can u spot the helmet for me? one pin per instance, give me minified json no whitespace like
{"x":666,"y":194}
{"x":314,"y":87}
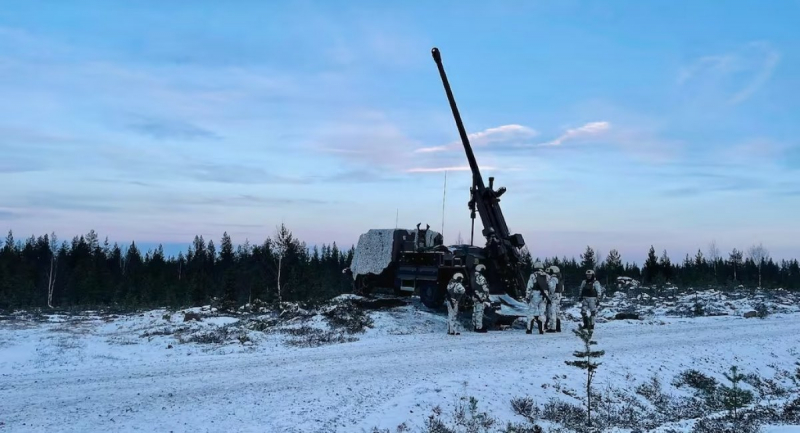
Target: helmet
{"x":589,"y":273}
{"x":458,"y":276}
{"x":554,"y":269}
{"x":480,"y":268}
{"x":538,"y":265}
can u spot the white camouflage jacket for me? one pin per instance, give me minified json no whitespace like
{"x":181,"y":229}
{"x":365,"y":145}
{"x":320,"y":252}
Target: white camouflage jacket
{"x":481,"y":292}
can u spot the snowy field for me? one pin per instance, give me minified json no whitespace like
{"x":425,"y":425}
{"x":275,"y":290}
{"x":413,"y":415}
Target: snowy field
{"x":153,"y":371}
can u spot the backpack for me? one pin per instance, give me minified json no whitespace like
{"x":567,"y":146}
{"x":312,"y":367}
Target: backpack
{"x":541,"y":282}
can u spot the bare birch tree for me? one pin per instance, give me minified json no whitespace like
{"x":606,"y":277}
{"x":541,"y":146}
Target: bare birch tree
{"x":736,"y":261}
{"x":280,"y":246}
{"x":758,"y":254}
{"x":714,"y":255}
{"x":51,"y":281}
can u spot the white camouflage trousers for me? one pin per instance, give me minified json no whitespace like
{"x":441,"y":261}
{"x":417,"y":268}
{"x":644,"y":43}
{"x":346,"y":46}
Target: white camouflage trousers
{"x":477,"y":314}
{"x":536,"y":309}
{"x":452,"y":318}
{"x":553,"y":309}
{"x":589,"y":309}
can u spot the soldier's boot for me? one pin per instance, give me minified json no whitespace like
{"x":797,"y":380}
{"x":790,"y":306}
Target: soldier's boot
{"x":585,"y":323}
{"x":528,"y":326}
{"x":541,"y":326}
{"x":558,"y":325}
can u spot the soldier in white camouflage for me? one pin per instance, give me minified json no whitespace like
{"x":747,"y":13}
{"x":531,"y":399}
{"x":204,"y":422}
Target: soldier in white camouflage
{"x":556,"y":290}
{"x":455,"y":291}
{"x":591,"y":290}
{"x":536,"y":295}
{"x":480,"y":298}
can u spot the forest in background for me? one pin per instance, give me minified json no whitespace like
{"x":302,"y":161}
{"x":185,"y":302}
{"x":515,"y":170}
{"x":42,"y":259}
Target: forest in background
{"x":86,"y":272}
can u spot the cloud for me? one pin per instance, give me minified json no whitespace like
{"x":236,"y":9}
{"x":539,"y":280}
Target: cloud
{"x":241,"y":200}
{"x":7,"y":215}
{"x":737,"y":75}
{"x":163,"y":129}
{"x":591,"y":129}
{"x":441,"y":169}
{"x":770,"y":61}
{"x":22,"y":165}
{"x":358,"y":176}
{"x":67,"y":201}
{"x":236,"y":174}
{"x":500,"y":134}
{"x":366,"y":138}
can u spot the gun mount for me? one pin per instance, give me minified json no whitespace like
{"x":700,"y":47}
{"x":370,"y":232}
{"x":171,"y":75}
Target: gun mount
{"x":502,"y":251}
{"x":409,"y":261}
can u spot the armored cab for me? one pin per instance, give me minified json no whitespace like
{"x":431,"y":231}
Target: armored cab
{"x":398,"y":259}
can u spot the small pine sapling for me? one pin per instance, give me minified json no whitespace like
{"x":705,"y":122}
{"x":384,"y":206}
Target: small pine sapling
{"x":586,"y":362}
{"x":734,"y":397}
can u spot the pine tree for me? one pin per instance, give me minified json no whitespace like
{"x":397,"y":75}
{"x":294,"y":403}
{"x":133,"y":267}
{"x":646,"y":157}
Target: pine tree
{"x":226,"y":263}
{"x":613,"y":266}
{"x":589,"y":259}
{"x":585,"y":362}
{"x":651,"y":268}
{"x":665,"y":266}
{"x":733,"y":397}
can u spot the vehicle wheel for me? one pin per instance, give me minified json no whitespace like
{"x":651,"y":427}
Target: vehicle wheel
{"x":362,"y":286}
{"x":431,"y":296}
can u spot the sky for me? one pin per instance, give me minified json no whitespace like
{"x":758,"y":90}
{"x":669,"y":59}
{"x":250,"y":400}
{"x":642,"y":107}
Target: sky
{"x":612,"y":124}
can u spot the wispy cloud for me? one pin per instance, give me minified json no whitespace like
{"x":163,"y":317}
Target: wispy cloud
{"x":359,"y":176}
{"x":441,"y":169}
{"x":501,"y":134}
{"x":738,"y":74}
{"x":7,"y":215}
{"x":367,"y":137}
{"x":770,"y":61}
{"x":237,"y":174}
{"x":164,"y":129}
{"x":589,"y":130}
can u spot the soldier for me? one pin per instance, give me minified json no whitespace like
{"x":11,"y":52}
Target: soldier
{"x":590,"y":291}
{"x":556,"y":290}
{"x":455,"y":291}
{"x":480,"y":298}
{"x":537,"y":297}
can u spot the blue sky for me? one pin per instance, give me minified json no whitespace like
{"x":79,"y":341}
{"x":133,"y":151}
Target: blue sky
{"x":613,"y":124}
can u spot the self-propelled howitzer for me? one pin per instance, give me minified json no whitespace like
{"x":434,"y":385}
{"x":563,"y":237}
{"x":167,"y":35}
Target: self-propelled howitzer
{"x":502,"y":250}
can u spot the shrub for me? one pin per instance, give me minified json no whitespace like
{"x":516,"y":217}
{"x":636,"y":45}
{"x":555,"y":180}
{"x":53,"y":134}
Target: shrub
{"x":761,"y":310}
{"x":306,"y":336}
{"x":703,"y":384}
{"x":525,"y":407}
{"x":348,"y":317}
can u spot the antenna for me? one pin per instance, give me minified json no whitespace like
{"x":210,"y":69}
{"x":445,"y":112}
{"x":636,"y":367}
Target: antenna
{"x":396,"y":218}
{"x":444,"y":196}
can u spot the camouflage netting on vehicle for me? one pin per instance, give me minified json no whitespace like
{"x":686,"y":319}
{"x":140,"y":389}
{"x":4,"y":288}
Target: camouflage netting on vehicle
{"x":374,"y":250}
{"x":373,"y":253}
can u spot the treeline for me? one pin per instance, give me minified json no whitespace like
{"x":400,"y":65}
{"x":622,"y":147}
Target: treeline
{"x":40,"y":272}
{"x":751,"y":268}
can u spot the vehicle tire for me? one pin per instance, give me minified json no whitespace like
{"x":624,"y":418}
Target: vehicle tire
{"x":362,"y":285}
{"x":431,"y":296}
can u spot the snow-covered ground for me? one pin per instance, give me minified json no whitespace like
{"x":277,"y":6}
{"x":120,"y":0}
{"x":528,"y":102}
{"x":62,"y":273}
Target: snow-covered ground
{"x":142,"y":372}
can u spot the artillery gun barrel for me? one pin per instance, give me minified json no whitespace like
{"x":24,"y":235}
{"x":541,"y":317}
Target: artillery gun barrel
{"x":473,"y":164}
